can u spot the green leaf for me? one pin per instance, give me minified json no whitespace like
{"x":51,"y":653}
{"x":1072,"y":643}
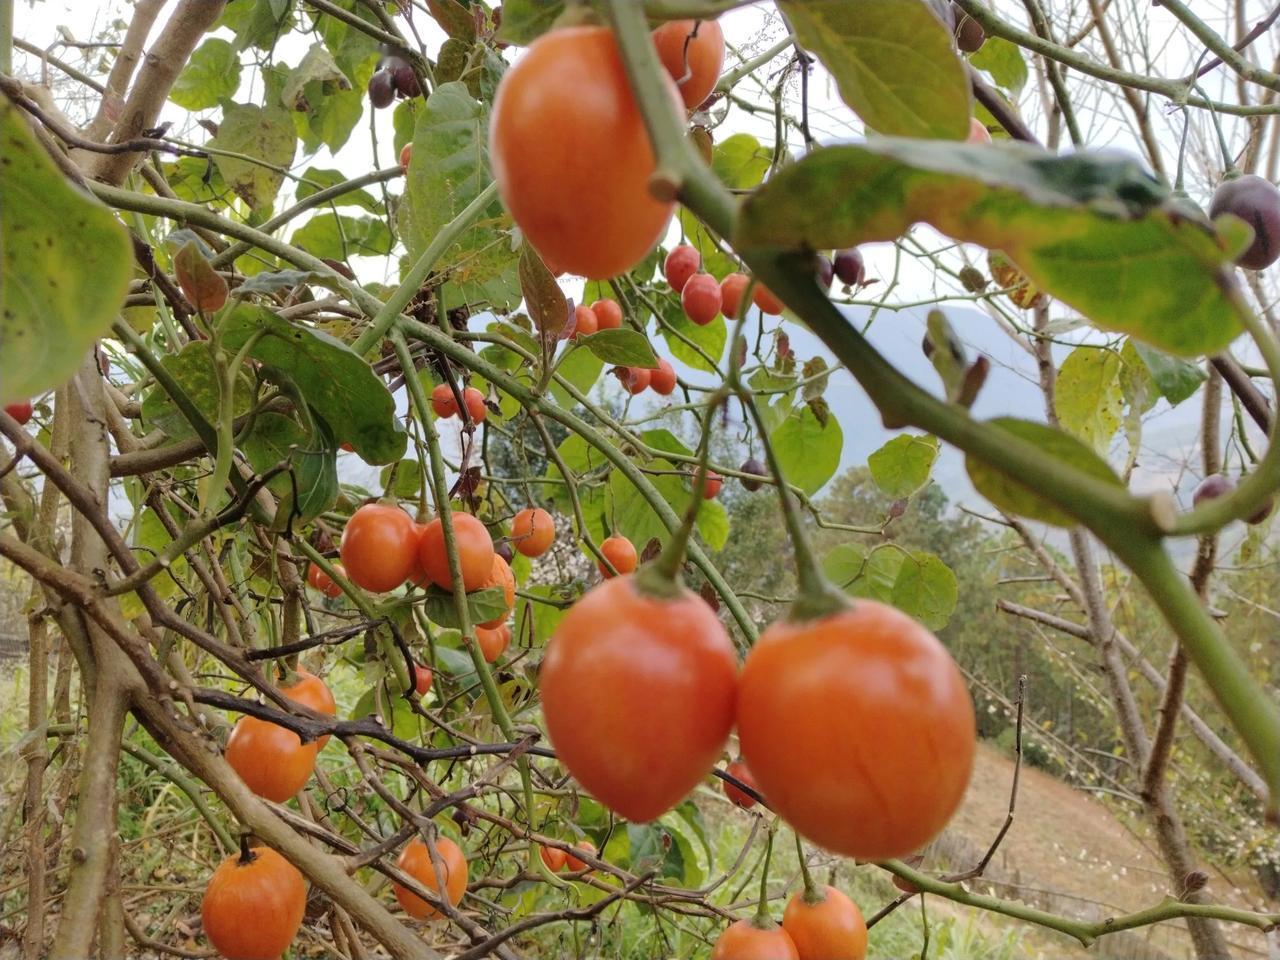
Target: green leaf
{"x":257,"y":23}
{"x":193,"y":368}
{"x":713,"y":524}
{"x":679,"y":331}
{"x":623,"y":347}
{"x":1088,"y":396}
{"x":336,"y":237}
{"x":264,"y":134}
{"x":351,"y":47}
{"x":407,"y":476}
{"x":1094,"y":231}
{"x":328,"y":100}
{"x":150,"y":538}
{"x":863,"y":573}
{"x":450,"y":167}
{"x":212,"y":74}
{"x":65,"y":265}
{"x":523,"y":21}
{"x":316,"y":179}
{"x":336,"y":383}
{"x":187,"y":176}
{"x":741,"y":161}
{"x":454,"y":18}
{"x":914,"y":581}
{"x":665,"y":440}
{"x":893,"y":61}
{"x":1176,"y":379}
{"x":404,"y":117}
{"x":1003,"y":61}
{"x":582,"y":368}
{"x":1010,"y":495}
{"x":902,"y":466}
{"x":632,"y":515}
{"x":312,"y":474}
{"x":808,"y":451}
{"x":926,"y":588}
{"x":482,"y":606}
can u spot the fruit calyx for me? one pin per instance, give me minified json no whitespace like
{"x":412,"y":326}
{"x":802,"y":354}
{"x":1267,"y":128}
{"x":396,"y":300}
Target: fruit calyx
{"x":247,"y":856}
{"x":818,"y":600}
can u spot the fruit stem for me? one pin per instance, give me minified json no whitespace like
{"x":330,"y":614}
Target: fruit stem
{"x":665,"y":571}
{"x":817,"y":597}
{"x":413,"y":280}
{"x":247,"y":856}
{"x":762,"y":918}
{"x":1229,"y":172}
{"x":812,"y":894}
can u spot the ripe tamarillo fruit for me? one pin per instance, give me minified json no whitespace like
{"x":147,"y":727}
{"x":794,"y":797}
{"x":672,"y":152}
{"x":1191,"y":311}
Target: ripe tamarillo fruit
{"x":1257,"y":202}
{"x":681,"y":264}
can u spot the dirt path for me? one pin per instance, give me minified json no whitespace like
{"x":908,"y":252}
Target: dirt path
{"x":1069,"y":853}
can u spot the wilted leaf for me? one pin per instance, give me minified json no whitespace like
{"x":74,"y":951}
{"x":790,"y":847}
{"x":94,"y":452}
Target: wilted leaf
{"x":1088,"y":396}
{"x":264,"y":133}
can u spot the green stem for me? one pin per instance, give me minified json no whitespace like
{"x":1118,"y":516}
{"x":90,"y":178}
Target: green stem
{"x":816,"y":597}
{"x":666,"y":568}
{"x":730,"y":78}
{"x":413,"y":280}
{"x":1084,"y":931}
{"x":1253,"y":714}
{"x":422,"y":406}
{"x":1261,"y":483}
{"x":812,"y":894}
{"x":762,"y":918}
{"x":6,"y":37}
{"x":316,"y":199}
{"x":213,"y":493}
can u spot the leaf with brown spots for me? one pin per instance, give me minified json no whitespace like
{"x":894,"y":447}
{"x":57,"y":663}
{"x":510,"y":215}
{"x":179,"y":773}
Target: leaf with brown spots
{"x":65,"y":264}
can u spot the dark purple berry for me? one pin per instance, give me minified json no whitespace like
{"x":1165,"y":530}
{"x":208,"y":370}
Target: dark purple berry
{"x":850,"y":268}
{"x":755,"y":467}
{"x":1257,"y":202}
{"x":825,"y":271}
{"x":1211,"y":488}
{"x":406,"y":80}
{"x":381,"y":89}
{"x":503,"y":550}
